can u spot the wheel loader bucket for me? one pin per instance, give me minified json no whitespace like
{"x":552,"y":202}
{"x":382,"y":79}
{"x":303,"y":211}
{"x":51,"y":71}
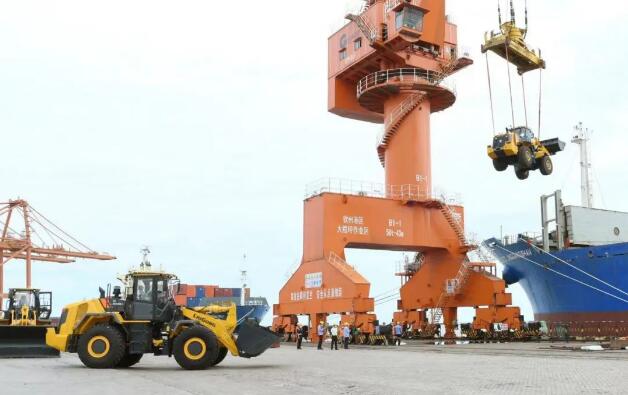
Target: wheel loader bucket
{"x":253,"y":339}
{"x":553,"y":145}
{"x":25,"y":342}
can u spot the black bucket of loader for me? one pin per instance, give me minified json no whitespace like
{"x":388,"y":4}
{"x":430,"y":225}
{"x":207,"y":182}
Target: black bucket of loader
{"x":253,"y":339}
{"x":553,"y":145}
{"x":25,"y":342}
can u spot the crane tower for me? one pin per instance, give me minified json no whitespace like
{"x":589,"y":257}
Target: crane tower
{"x":388,"y":65}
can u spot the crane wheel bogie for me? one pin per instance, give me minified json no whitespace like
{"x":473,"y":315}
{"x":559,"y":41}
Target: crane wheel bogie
{"x":196,"y":348}
{"x":101,"y":347}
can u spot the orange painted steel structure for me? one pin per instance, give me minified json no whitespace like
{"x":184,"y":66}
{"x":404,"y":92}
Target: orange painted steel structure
{"x":16,"y":242}
{"x":388,"y":66}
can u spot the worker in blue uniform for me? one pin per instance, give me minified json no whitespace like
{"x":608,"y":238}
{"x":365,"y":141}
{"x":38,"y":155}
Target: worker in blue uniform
{"x":398,"y":331}
{"x":321,"y":334}
{"x":346,"y":335}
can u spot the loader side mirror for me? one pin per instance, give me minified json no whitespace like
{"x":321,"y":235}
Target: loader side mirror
{"x":102,"y":292}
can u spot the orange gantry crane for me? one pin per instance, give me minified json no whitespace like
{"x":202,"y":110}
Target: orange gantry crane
{"x":388,"y":66}
{"x":28,"y":235}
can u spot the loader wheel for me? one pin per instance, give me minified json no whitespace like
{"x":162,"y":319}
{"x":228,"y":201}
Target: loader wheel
{"x":522,"y":174}
{"x":101,"y":347}
{"x":196,"y":348}
{"x":546,"y":166}
{"x":129,"y":360}
{"x":222,"y":353}
{"x":500,"y":165}
{"x":525,"y":158}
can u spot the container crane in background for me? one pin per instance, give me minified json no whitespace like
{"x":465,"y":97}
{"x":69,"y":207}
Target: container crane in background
{"x":518,"y":146}
{"x":389,"y":66}
{"x":29,"y":236}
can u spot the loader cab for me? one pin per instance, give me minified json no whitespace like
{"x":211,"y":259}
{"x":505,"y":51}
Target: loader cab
{"x":523,"y":133}
{"x":37,"y":303}
{"x":149,"y":296}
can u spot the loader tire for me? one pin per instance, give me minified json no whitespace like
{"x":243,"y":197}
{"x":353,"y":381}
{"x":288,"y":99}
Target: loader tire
{"x":500,"y":164}
{"x":196,"y":348}
{"x":101,"y":347}
{"x":222,"y":353}
{"x":546,"y":166}
{"x":525,"y":158}
{"x":522,"y":174}
{"x":129,"y":360}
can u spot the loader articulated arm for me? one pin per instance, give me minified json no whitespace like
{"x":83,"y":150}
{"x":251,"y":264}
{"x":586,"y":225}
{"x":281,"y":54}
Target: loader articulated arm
{"x":222,"y":328}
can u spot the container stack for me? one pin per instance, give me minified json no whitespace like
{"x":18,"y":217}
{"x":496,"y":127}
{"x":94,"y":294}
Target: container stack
{"x":203,"y":295}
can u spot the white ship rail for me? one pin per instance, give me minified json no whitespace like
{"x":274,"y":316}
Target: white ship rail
{"x":534,"y":237}
{"x":414,"y":192}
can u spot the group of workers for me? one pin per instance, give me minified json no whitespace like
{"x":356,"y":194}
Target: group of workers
{"x":346,"y":331}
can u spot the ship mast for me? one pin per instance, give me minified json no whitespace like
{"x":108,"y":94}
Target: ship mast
{"x":243,"y":280}
{"x":586,"y":188}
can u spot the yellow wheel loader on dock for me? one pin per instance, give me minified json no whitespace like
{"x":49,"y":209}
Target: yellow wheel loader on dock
{"x":115,"y":331}
{"x":23,"y":324}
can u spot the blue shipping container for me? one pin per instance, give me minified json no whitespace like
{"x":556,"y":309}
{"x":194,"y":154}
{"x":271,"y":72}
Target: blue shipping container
{"x":200,"y":291}
{"x":236,"y":292}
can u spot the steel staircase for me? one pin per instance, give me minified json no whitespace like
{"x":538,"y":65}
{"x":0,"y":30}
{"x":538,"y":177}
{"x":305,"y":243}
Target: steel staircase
{"x":365,"y":27}
{"x":407,"y":106}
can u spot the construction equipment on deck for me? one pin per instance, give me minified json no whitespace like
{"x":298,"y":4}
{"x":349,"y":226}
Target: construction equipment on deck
{"x":23,"y":324}
{"x":117,"y":330}
{"x":28,"y":235}
{"x":519,"y":147}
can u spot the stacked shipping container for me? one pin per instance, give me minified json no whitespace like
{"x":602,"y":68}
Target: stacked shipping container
{"x":200,"y":295}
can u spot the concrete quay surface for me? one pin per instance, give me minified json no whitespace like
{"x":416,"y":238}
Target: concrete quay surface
{"x":409,"y":369}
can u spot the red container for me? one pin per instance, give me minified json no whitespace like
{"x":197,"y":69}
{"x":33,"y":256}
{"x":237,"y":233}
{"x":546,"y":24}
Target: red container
{"x":210,"y":291}
{"x":247,"y":293}
{"x":222,"y":292}
{"x":180,"y":300}
{"x":191,"y":291}
{"x":183,"y":289}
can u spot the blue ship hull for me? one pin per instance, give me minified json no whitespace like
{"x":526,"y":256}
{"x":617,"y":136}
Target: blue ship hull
{"x":256,"y":312}
{"x":556,"y":298}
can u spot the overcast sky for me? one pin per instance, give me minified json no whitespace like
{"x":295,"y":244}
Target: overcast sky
{"x":194,"y":126}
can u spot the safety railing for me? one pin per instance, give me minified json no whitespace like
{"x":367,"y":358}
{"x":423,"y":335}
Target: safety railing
{"x":412,"y":192}
{"x":402,"y":75}
{"x":533,"y":237}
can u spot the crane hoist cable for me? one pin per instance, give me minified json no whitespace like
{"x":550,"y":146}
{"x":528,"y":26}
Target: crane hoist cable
{"x":490,"y":93}
{"x":540,"y":100}
{"x":525,"y":105}
{"x":512,"y":106}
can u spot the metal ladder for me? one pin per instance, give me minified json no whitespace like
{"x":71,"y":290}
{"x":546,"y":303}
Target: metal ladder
{"x":406,"y":107}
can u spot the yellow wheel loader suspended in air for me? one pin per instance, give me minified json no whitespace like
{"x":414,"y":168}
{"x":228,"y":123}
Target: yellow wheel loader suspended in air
{"x":519,"y":147}
{"x":116,"y":330}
